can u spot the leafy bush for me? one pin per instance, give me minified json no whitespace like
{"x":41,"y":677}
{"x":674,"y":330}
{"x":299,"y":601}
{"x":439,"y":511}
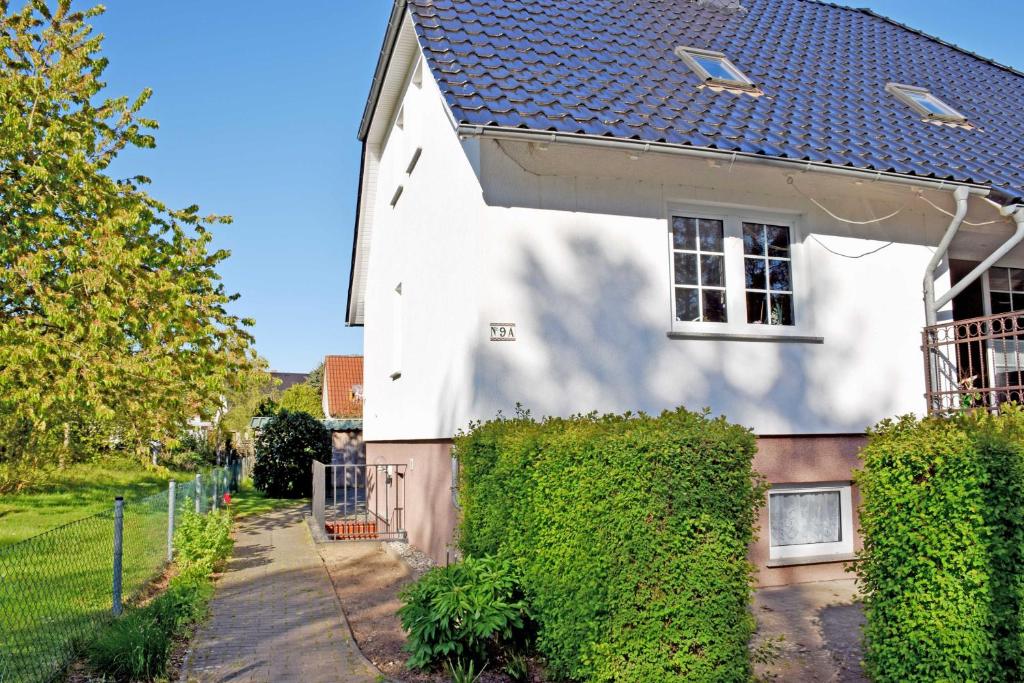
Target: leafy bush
{"x":191,"y":452}
{"x":471,"y":612}
{"x":285,"y":451}
{"x":630,"y":534}
{"x":202,"y":541}
{"x":942,"y":520}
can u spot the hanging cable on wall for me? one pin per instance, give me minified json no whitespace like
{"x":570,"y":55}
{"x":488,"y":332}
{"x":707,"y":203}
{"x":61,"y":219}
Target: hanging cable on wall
{"x":792,"y":181}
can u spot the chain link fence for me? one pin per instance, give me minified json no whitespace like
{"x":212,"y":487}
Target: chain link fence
{"x":58,"y":587}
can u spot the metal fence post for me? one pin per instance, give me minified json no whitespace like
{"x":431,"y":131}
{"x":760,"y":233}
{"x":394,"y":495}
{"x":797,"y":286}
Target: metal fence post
{"x":170,"y":521}
{"x":118,"y":551}
{"x":199,"y":494}
{"x":216,"y":476}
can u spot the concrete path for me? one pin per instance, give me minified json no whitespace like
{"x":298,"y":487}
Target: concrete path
{"x":275,"y":616}
{"x":820,"y":628}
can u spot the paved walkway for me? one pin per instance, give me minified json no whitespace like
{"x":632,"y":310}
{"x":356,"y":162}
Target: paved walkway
{"x":820,"y":625}
{"x":275,"y":616}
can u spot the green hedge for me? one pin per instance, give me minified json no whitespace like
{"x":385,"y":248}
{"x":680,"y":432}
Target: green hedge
{"x":630,"y":533}
{"x":942,"y":519}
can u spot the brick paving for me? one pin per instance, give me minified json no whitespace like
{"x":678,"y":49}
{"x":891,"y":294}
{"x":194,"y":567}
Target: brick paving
{"x":275,"y":615}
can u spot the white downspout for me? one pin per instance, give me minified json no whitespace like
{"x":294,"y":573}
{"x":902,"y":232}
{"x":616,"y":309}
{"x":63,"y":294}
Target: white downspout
{"x":1017,"y":212}
{"x":931,"y":307}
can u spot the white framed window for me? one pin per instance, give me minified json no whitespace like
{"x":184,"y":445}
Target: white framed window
{"x":698,"y":264}
{"x":714,"y":67}
{"x":810,"y":520}
{"x":924,"y":103}
{"x":736,"y":273}
{"x":768,"y":274}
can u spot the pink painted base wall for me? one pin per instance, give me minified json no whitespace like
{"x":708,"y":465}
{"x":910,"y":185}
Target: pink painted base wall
{"x":431,"y":519}
{"x":804,"y":460}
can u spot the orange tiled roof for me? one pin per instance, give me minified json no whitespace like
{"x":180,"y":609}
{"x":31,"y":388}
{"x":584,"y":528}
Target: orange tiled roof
{"x":343,"y":382}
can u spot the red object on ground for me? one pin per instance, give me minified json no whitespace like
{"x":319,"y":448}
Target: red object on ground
{"x":227,"y":499}
{"x":348,"y":531}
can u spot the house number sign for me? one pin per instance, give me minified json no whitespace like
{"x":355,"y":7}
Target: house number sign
{"x":503,"y":331}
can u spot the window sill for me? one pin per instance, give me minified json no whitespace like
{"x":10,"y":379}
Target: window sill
{"x":752,"y":333}
{"x":811,"y":559}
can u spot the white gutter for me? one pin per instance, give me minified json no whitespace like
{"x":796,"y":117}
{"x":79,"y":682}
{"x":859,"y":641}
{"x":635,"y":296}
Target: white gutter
{"x":549,"y":138}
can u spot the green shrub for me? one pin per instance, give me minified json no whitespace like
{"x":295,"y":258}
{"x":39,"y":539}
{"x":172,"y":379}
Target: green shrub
{"x":202,"y":541}
{"x":630,"y":533}
{"x":942,"y":518}
{"x":471,"y":612}
{"x":285,"y":451}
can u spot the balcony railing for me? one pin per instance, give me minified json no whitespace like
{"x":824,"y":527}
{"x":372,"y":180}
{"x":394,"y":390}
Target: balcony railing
{"x":974,"y":363}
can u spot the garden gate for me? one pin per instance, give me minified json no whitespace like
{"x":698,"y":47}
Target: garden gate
{"x":360,"y":502}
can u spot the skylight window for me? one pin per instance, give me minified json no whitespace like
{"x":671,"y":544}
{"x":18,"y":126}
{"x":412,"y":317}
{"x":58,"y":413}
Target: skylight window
{"x":714,"y":67}
{"x":925,"y":103}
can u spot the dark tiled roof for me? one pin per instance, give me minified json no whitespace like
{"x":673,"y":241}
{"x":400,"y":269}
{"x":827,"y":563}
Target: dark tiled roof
{"x":289,"y":379}
{"x":608,"y":68}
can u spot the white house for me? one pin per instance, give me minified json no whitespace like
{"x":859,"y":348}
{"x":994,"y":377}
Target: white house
{"x":633,"y":206}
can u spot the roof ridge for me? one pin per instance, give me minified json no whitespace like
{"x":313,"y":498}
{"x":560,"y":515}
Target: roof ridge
{"x":929,"y":36}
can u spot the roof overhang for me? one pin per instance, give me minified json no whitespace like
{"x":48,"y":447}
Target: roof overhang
{"x":397,"y":57}
{"x":638,"y":147}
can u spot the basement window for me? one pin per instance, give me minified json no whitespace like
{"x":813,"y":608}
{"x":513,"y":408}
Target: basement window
{"x":714,"y":67}
{"x":810,"y":521}
{"x":925,"y":103}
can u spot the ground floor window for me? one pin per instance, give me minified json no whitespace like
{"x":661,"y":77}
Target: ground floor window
{"x":810,"y":520}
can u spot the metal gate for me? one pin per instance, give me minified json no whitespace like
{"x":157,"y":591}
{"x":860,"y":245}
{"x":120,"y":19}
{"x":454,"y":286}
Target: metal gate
{"x":360,"y":502}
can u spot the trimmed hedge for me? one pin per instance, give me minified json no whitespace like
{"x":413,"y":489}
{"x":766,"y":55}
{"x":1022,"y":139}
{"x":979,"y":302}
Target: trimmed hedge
{"x":942,"y":518}
{"x":630,"y":533}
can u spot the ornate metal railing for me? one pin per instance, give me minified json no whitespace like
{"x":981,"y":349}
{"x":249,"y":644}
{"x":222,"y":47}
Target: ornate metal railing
{"x":974,"y":363}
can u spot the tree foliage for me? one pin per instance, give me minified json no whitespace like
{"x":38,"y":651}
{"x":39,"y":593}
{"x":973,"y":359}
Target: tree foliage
{"x":302,"y":398}
{"x":114,"y":326}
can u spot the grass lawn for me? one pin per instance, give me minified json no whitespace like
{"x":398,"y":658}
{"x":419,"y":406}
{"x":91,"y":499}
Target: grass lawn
{"x":77,"y":492}
{"x":247,"y":501}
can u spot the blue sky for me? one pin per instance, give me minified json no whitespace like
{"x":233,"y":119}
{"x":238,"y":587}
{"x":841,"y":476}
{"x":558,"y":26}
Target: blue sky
{"x":258,"y":104}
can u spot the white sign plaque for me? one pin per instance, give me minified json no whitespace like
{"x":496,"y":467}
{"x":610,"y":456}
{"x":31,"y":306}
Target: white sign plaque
{"x":503,"y":331}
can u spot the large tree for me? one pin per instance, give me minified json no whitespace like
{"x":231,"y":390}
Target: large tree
{"x":114,"y":326}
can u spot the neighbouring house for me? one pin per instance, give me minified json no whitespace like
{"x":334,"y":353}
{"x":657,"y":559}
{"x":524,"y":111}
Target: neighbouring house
{"x":343,"y":405}
{"x":616,"y":206}
{"x":289,"y":379}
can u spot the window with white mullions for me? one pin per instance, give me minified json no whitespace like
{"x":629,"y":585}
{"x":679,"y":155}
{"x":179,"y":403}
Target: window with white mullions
{"x":768,"y":269}
{"x":1006,"y":289}
{"x":698,"y":254}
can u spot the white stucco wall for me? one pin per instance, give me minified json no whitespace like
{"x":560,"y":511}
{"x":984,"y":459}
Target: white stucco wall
{"x":570,"y":245}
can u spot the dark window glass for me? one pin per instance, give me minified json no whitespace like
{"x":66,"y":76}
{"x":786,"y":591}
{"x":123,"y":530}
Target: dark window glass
{"x":999,"y":279}
{"x":684,"y":233}
{"x":755,"y":273}
{"x":1001,"y":302}
{"x":757,"y":308}
{"x":714,"y":306}
{"x":1016,"y":279}
{"x":753,"y":239}
{"x":711,"y":235}
{"x":780,"y":275}
{"x":782,"y":309}
{"x":686,"y":269}
{"x":712,"y":271}
{"x":778,"y":241}
{"x":687,"y":304}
